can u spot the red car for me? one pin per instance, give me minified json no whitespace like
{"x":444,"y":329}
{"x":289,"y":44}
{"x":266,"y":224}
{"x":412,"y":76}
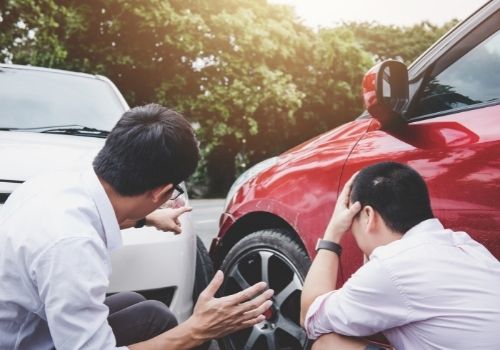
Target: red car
{"x":441,"y":116}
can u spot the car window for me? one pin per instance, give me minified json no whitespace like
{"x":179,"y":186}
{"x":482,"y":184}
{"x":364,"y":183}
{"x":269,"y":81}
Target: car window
{"x":472,"y":79}
{"x":35,"y":99}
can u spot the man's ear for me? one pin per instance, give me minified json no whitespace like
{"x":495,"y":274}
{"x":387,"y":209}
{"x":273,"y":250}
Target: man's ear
{"x":161,"y":194}
{"x":375,"y":223}
{"x":370,"y":217}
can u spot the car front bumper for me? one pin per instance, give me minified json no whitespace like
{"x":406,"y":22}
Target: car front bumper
{"x":152,"y":262}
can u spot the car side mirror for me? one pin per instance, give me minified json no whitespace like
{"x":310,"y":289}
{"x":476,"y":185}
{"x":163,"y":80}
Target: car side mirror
{"x":386,"y":92}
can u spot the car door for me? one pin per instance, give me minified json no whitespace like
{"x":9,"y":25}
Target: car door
{"x":452,"y":136}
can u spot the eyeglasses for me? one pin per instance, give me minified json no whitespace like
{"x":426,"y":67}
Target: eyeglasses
{"x":178,"y":191}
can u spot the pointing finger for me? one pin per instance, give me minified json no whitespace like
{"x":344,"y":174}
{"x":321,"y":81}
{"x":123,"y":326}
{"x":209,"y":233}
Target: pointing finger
{"x":176,"y":229}
{"x":179,"y":211}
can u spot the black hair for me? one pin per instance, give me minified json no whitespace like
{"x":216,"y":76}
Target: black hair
{"x":396,"y":191}
{"x":149,"y":146}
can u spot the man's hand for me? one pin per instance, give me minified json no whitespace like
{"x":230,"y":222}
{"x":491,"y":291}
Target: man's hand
{"x":343,"y":214}
{"x":167,"y":219}
{"x":216,"y":317}
{"x":322,"y":275}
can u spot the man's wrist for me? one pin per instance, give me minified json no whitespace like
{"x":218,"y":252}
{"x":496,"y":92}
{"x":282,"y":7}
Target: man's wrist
{"x":195,"y":333}
{"x":184,"y":336}
{"x":140,"y":223}
{"x":150,"y":219}
{"x":329,"y":245}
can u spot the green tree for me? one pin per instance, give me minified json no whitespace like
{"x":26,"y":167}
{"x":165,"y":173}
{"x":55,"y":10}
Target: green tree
{"x":247,"y":100}
{"x":389,"y":41}
{"x":36,"y":31}
{"x":333,"y":82}
{"x":251,"y":77}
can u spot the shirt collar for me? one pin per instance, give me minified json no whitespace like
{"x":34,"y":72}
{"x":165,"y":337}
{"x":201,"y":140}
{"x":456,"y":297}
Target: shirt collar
{"x":112,"y":235}
{"x":420,"y":230}
{"x":429,"y":225}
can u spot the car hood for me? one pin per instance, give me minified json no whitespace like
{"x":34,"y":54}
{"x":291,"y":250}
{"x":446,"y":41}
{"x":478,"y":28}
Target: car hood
{"x":27,"y":154}
{"x":353,"y":129}
{"x":322,"y":154}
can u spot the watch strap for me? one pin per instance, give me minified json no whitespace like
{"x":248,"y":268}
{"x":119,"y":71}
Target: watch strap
{"x":140,"y":223}
{"x":329,"y":245}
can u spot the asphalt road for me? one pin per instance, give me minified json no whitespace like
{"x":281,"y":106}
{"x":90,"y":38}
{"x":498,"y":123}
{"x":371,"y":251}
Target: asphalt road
{"x":206,"y":214}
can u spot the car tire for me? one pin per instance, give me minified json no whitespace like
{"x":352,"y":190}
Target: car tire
{"x":276,"y":258}
{"x":203,"y":275}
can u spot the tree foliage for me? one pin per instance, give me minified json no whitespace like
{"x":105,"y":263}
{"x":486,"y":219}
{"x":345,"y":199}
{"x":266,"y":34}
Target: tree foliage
{"x":35,"y":31}
{"x":404,"y":43}
{"x":248,"y":73}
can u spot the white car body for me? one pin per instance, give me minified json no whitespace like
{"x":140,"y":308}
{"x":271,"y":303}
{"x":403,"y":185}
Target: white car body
{"x":160,"y":265}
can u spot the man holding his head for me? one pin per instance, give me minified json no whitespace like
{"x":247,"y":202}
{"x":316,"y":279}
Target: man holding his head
{"x":56,"y":232}
{"x":424,"y":286}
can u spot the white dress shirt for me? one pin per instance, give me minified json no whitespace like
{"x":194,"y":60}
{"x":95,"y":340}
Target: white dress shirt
{"x":55,"y":235}
{"x":432,"y":289}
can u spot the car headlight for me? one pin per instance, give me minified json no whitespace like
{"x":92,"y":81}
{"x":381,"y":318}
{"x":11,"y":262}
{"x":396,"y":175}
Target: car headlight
{"x":248,"y":174}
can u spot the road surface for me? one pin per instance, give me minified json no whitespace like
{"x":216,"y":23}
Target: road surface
{"x":206,"y":214}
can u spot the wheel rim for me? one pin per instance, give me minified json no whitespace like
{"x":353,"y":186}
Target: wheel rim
{"x":281,"y":329}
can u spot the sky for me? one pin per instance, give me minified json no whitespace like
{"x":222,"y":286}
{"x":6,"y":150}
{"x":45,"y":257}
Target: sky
{"x":327,"y":13}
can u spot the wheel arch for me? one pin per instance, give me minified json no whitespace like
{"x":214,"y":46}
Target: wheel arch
{"x":249,"y":223}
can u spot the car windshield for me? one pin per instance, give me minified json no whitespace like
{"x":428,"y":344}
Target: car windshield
{"x":32,"y":99}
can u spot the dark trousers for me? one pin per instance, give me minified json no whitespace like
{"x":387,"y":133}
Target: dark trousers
{"x":134,"y":319}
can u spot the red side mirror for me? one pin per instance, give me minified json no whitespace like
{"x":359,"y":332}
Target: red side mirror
{"x":386,"y":91}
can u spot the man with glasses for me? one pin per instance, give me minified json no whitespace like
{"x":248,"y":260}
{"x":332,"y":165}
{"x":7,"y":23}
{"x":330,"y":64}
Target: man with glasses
{"x":56,"y":232}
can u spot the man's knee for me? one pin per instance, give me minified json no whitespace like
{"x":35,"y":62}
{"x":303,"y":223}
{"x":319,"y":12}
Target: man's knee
{"x":133,"y":297}
{"x":159,"y":314}
{"x":141,"y":321}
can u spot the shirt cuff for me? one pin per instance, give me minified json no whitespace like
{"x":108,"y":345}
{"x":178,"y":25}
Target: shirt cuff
{"x":315,"y":316}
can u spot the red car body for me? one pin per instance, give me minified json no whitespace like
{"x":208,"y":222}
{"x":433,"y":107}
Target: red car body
{"x":458,"y":156}
{"x":456,"y":150}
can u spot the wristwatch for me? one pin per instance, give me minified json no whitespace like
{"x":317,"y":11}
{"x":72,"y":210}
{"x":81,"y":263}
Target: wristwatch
{"x":329,"y":245}
{"x":140,"y":223}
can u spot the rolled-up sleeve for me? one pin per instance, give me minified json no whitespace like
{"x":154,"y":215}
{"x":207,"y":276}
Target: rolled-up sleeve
{"x":368,"y":303}
{"x":72,"y":278}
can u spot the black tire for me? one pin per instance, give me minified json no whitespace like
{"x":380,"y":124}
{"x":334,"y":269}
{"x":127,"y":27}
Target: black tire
{"x":204,"y":269}
{"x":203,"y":275}
{"x":274,"y":257}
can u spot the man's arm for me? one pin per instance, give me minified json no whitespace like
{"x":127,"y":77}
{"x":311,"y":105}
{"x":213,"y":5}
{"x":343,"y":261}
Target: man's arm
{"x":214,"y":317}
{"x":167,"y":219}
{"x":368,"y":303}
{"x":322,"y":275}
{"x":72,"y":283}
{"x":163,"y":219}
{"x":71,"y":279}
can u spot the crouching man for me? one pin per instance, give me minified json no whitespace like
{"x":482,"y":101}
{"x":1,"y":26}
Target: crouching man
{"x":424,"y":286}
{"x":57,"y":231}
